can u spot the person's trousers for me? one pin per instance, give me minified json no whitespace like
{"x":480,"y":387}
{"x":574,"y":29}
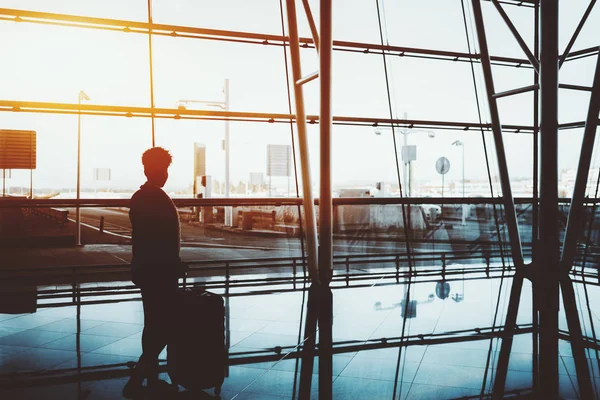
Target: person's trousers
{"x":159,"y":310}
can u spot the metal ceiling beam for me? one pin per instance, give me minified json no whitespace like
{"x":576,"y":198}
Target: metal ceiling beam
{"x":589,"y":51}
{"x":532,"y":59}
{"x":516,"y":91}
{"x":564,"y":56}
{"x":574,"y":87}
{"x":25,"y":16}
{"x":311,"y":22}
{"x":519,"y":3}
{"x":176,"y":113}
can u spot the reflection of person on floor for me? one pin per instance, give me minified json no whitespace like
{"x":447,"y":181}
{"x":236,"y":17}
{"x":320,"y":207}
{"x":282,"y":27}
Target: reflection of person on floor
{"x":156,"y":266}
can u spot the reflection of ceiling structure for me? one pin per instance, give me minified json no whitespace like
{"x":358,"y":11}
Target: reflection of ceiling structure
{"x":551,"y":263}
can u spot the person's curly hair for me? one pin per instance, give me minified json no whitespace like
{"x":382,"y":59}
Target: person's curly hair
{"x":156,"y":158}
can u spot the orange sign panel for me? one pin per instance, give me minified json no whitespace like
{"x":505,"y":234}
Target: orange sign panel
{"x":17,"y":149}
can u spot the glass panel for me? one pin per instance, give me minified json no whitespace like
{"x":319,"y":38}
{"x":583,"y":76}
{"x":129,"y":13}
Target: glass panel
{"x":237,"y":15}
{"x":53,"y":63}
{"x":501,"y":41}
{"x":417,"y":26}
{"x":421,"y":88}
{"x":130,"y":10}
{"x":248,"y":157}
{"x":195,"y":70}
{"x":466,"y":234}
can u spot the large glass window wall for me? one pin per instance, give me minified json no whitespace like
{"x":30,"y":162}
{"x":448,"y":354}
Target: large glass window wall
{"x":422,"y":260}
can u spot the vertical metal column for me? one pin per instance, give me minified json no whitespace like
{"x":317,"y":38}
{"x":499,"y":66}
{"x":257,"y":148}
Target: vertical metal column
{"x":308,"y":347}
{"x":509,"y":207}
{"x":307,"y":193}
{"x":325,"y":203}
{"x":548,"y":262}
{"x":77,"y":295}
{"x":582,"y":367}
{"x":508,"y":335}
{"x":508,"y":201}
{"x":228,"y":210}
{"x":574,"y":224}
{"x":78,"y":188}
{"x":151,"y":72}
{"x":572,"y":234}
{"x":534,"y":229}
{"x":325,"y":124}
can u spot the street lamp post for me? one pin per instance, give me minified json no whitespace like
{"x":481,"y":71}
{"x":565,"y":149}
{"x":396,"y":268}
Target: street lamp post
{"x":224,"y":105}
{"x":465,"y":207}
{"x":461,"y":144}
{"x":81,"y":96}
{"x":228,"y":218}
{"x":406,"y":157}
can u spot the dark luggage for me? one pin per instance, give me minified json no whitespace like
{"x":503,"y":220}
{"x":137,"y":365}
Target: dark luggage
{"x":196,"y":356}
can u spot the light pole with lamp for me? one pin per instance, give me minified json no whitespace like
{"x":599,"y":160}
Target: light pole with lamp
{"x":461,"y":144}
{"x":408,"y":153}
{"x":81,"y":96}
{"x":224,"y":105}
{"x":465,"y":207}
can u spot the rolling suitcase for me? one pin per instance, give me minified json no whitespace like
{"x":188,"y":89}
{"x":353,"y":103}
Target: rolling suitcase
{"x":196,"y":355}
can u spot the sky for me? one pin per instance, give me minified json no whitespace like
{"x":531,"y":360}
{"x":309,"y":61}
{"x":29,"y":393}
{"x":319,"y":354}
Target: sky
{"x":49,"y":63}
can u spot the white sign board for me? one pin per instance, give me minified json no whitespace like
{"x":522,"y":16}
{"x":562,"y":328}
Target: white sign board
{"x":409,"y":153}
{"x":279,"y":160}
{"x":199,"y":159}
{"x":102,"y":174}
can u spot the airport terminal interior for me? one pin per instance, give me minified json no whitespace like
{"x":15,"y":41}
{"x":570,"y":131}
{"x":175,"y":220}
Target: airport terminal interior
{"x":394,"y":199}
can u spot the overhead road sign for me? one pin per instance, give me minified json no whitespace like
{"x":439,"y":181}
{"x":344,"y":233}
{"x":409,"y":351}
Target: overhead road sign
{"x":17,"y":149}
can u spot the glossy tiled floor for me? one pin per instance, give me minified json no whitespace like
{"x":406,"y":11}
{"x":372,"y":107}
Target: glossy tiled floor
{"x":44,"y":344}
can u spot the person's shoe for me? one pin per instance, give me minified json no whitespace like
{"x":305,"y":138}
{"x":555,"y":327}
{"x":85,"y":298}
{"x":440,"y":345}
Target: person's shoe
{"x":162,"y":389}
{"x":132,"y":389}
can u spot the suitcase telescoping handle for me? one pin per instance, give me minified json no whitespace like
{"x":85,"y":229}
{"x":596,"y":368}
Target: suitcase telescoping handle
{"x":184,"y":267}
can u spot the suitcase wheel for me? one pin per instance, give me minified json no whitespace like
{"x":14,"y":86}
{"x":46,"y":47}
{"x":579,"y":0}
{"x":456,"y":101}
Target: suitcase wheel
{"x":218,"y":390}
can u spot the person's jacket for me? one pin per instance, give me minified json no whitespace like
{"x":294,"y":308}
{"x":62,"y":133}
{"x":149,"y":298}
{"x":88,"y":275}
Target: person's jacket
{"x":156,"y":236}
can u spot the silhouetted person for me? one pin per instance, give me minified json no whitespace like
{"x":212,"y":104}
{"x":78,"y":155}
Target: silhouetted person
{"x":156,"y":265}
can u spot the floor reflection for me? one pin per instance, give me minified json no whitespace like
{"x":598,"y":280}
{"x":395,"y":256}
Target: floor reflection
{"x":430,"y":340}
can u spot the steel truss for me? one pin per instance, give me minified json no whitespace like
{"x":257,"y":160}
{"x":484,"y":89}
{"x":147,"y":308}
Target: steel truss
{"x":548,"y":272}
